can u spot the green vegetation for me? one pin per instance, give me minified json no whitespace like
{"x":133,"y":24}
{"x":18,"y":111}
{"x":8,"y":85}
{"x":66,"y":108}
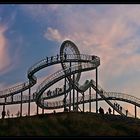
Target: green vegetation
{"x":70,"y":124}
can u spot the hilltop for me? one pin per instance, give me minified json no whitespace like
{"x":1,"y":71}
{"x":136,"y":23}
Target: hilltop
{"x":70,"y":124}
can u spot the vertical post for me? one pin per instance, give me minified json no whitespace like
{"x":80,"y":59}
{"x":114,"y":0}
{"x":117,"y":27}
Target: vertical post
{"x":4,"y":104}
{"x":43,"y":108}
{"x":96,"y":90}
{"x":77,"y":102}
{"x":64,"y":100}
{"x":70,"y":101}
{"x":29,"y":101}
{"x":21,"y":105}
{"x":37,"y":109}
{"x":3,"y":112}
{"x":83,"y":102}
{"x":73,"y":93}
{"x":135,"y":111}
{"x":90,"y":99}
{"x":70,"y":89}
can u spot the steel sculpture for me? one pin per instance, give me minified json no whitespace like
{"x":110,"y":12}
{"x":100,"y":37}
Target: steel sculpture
{"x":73,"y":64}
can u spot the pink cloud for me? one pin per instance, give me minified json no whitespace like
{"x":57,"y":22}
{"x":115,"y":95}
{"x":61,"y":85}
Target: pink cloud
{"x":4,"y":56}
{"x":106,"y":32}
{"x":107,"y":49}
{"x":111,"y":35}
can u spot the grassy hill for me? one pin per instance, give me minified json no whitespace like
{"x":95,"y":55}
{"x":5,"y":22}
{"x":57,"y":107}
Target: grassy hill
{"x":70,"y":124}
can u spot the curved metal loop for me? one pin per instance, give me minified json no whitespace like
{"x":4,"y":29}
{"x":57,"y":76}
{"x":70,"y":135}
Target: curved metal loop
{"x":63,"y":53}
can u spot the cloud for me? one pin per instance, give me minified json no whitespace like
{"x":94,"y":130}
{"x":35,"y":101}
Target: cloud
{"x":7,"y":18}
{"x":112,"y":35}
{"x":106,"y":48}
{"x":6,"y":63}
{"x":107,"y":33}
{"x":53,"y":34}
{"x":4,"y":54}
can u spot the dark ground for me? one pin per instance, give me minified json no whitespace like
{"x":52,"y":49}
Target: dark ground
{"x":70,"y":124}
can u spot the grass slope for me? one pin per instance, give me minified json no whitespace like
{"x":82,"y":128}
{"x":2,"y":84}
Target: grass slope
{"x":70,"y":124}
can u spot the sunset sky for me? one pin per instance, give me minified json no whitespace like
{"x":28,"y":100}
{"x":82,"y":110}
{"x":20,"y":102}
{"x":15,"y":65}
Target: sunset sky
{"x":28,"y":33}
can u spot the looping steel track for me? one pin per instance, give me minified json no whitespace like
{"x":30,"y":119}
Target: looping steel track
{"x":72,"y":63}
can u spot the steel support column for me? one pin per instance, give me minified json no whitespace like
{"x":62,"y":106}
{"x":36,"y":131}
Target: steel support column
{"x":43,"y":108}
{"x":77,"y":101}
{"x":37,"y":109}
{"x":21,"y":105}
{"x":70,"y":100}
{"x":73,"y":93}
{"x":70,"y":89}
{"x":29,"y":101}
{"x":90,"y":99}
{"x":135,"y":111}
{"x":64,"y":100}
{"x":96,"y":90}
{"x":4,"y":104}
{"x":83,"y":101}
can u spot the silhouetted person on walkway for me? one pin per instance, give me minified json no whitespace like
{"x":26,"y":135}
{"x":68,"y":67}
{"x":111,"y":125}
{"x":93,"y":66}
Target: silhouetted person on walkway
{"x":126,"y":112}
{"x":57,"y":57}
{"x":120,"y":108}
{"x":109,"y":110}
{"x":51,"y":58}
{"x":3,"y":114}
{"x":47,"y":59}
{"x":66,"y":110}
{"x":101,"y":111}
{"x":93,"y":57}
{"x":54,"y":112}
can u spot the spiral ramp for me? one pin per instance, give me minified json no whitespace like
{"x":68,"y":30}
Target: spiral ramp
{"x":72,"y":64}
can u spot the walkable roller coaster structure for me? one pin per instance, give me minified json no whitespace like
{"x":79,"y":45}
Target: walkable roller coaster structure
{"x":73,"y":64}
